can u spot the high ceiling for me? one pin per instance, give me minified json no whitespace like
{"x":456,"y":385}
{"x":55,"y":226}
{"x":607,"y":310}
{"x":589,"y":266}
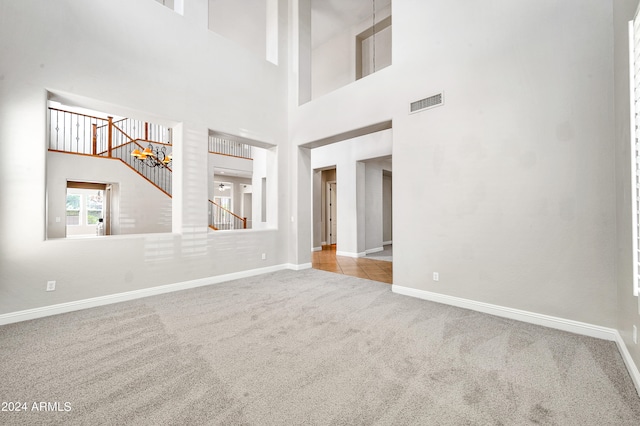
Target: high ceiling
{"x":330,"y":17}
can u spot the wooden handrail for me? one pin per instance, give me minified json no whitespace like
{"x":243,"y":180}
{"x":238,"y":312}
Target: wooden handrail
{"x":117,"y":159}
{"x":106,"y":124}
{"x":81,"y":153}
{"x":77,"y":113}
{"x":155,"y":142}
{"x":230,"y":155}
{"x":243,"y":219}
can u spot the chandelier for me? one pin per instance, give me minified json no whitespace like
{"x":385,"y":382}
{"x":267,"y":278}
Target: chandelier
{"x":153,"y":157}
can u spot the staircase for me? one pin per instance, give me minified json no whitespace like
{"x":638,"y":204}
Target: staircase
{"x":221,"y":218}
{"x":144,"y":147}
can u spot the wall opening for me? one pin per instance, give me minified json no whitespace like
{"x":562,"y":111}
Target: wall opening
{"x":341,"y":42}
{"x":237,"y":176}
{"x":129,"y":158}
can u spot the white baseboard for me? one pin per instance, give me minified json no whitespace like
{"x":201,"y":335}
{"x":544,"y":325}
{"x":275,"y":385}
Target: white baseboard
{"x":299,"y":267}
{"x":386,"y":243}
{"x":516,"y":314}
{"x":349,"y":254}
{"x":316,"y":248}
{"x":62,"y":308}
{"x":374,"y":250}
{"x":563,"y":324}
{"x":628,"y":361}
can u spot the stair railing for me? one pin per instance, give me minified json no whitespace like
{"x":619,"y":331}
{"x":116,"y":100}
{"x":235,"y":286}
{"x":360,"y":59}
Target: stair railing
{"x":89,"y":135}
{"x":221,"y":218}
{"x":160,"y":175}
{"x":143,"y":130}
{"x":74,"y":132}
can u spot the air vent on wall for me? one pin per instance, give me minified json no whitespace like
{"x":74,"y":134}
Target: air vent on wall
{"x":426,"y":103}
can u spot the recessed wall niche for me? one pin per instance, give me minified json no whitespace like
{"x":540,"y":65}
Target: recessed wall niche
{"x":107,"y":173}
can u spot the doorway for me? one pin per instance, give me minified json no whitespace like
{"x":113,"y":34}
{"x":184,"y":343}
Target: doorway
{"x":373,"y":211}
{"x":88,"y":209}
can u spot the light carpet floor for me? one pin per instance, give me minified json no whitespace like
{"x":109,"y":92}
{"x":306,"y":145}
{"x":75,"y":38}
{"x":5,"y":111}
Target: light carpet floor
{"x":307,"y":347}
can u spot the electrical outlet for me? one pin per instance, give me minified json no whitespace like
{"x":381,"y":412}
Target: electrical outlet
{"x":51,"y":285}
{"x":436,"y":276}
{"x":635,"y":334}
{"x":264,"y":256}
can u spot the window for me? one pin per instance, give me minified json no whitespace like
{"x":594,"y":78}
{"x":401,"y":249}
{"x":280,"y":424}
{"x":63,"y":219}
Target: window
{"x":94,"y":207}
{"x":84,"y":209}
{"x":73,"y":209}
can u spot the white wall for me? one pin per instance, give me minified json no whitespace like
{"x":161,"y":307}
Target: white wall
{"x":515,"y":187}
{"x":244,"y":22}
{"x":156,"y":63}
{"x":333,"y":64}
{"x":265,"y":165}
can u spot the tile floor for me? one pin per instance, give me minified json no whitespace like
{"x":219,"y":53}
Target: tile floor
{"x":377,"y":270}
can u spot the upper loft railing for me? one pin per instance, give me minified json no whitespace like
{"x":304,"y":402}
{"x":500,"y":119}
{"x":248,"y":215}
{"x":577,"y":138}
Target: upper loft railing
{"x":95,"y":136}
{"x":219,"y":145}
{"x":142,"y":130}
